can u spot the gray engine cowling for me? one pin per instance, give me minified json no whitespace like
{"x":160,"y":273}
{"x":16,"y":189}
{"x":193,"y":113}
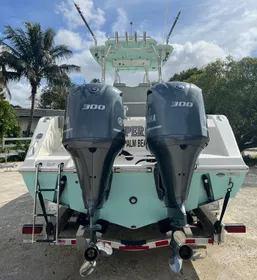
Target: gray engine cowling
{"x":176,"y":132}
{"x":94,"y":135}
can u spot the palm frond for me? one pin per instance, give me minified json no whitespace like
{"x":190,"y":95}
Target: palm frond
{"x":7,"y":76}
{"x":11,"y":61}
{"x":10,"y":76}
{"x":60,"y":52}
{"x":28,"y":55}
{"x":6,"y":88}
{"x":49,"y":39}
{"x":35,"y":37}
{"x":69,"y":68}
{"x":8,"y":48}
{"x":56,"y":77}
{"x":62,"y":80}
{"x":17,"y":39}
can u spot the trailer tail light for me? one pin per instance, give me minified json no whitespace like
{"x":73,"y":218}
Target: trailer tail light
{"x":28,"y":229}
{"x":190,"y":241}
{"x":235,"y":228}
{"x":162,"y":243}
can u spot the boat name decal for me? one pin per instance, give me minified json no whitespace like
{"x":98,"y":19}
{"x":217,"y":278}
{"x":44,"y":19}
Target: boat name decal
{"x":135,"y":143}
{"x":134,"y":131}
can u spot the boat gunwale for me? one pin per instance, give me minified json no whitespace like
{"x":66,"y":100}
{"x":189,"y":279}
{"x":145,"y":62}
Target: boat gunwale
{"x":147,"y":168}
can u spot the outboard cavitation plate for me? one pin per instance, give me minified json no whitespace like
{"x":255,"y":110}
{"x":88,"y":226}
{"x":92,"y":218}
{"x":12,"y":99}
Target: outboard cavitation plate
{"x":94,"y":135}
{"x":176,"y":133}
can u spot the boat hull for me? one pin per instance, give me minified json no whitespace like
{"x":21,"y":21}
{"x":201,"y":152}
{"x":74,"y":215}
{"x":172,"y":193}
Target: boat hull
{"x":149,"y":208}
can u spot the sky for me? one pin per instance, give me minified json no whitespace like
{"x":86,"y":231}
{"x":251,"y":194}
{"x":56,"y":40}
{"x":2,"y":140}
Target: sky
{"x":206,"y":30}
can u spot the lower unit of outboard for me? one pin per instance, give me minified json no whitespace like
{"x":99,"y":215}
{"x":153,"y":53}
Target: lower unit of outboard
{"x":176,"y":133}
{"x":94,"y":135}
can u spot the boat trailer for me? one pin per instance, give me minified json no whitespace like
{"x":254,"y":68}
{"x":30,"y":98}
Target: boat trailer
{"x":187,"y":244}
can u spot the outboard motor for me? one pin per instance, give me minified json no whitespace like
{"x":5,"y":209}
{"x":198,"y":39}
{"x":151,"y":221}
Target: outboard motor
{"x":176,"y":132}
{"x":94,"y":135}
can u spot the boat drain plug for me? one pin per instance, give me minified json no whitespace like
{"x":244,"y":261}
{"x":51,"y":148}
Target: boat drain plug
{"x":133,"y":200}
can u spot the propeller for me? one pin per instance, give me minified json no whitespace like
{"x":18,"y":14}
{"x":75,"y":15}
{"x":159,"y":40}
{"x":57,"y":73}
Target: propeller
{"x":87,"y":268}
{"x":175,"y":264}
{"x":92,"y":252}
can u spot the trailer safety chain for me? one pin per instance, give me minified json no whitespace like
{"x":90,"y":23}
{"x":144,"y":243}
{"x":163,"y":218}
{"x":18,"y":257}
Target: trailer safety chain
{"x":217,"y":225}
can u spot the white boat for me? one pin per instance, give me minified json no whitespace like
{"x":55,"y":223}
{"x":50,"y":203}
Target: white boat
{"x":133,"y":156}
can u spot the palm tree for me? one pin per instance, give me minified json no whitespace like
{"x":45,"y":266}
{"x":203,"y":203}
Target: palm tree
{"x":3,"y":86}
{"x":33,"y":55}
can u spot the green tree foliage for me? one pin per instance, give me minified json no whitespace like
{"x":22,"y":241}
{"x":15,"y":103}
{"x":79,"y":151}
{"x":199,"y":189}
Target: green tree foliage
{"x":33,"y":55}
{"x":230,"y":88}
{"x":95,"y":80}
{"x":184,"y":75}
{"x":53,"y":98}
{"x":9,"y":126}
{"x":153,"y":83}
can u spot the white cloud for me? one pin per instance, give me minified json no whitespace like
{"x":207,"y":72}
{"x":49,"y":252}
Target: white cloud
{"x":248,"y":43}
{"x":122,"y":23}
{"x":142,"y":27}
{"x":21,"y":92}
{"x":93,"y":15}
{"x":110,"y":4}
{"x":90,"y":69}
{"x":70,"y":38}
{"x":192,"y":55}
{"x":228,"y":24}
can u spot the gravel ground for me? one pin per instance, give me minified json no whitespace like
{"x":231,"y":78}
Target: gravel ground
{"x":235,"y":259}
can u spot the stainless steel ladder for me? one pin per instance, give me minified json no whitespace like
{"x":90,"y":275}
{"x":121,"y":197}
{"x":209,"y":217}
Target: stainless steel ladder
{"x":38,"y":194}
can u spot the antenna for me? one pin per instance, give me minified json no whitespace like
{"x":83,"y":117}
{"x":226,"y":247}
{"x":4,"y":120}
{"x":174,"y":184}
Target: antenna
{"x":165,"y":21}
{"x":172,"y":27}
{"x":93,"y":35}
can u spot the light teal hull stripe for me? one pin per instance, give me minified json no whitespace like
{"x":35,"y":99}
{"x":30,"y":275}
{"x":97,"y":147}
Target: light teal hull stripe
{"x":148,"y":209}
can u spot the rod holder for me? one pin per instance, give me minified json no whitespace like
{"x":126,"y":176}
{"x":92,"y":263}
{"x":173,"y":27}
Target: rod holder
{"x":144,"y":37}
{"x":116,"y":39}
{"x":135,"y":36}
{"x":126,"y":36}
